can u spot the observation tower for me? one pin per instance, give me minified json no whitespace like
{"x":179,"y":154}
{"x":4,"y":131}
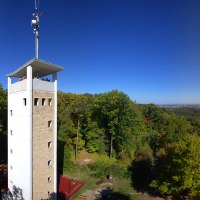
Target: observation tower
{"x":32,"y":125}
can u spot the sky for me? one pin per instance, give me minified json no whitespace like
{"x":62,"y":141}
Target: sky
{"x":148,"y":49}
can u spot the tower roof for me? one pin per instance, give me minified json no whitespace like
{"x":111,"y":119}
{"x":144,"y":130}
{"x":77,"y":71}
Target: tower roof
{"x":40,"y":69}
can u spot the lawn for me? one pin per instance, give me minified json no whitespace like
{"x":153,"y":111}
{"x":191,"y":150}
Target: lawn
{"x":82,"y":171}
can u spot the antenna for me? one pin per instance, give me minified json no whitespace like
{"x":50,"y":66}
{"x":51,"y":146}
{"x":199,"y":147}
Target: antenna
{"x":35,"y":24}
{"x":35,"y":4}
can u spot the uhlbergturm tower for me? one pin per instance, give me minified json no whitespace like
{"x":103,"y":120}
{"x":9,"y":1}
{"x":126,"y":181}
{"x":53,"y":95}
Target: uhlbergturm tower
{"x":32,"y":126}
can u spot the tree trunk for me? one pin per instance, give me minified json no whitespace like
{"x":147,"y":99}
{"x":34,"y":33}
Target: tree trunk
{"x":77,"y":132}
{"x":111,"y":146}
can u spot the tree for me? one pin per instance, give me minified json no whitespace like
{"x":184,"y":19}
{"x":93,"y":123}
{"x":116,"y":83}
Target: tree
{"x":156,"y":118}
{"x":3,"y":111}
{"x":176,"y":127}
{"x":195,"y":123}
{"x":178,"y":168}
{"x":120,"y":119}
{"x":93,"y":136}
{"x":78,"y":109}
{"x":3,"y":125}
{"x":65,"y":122}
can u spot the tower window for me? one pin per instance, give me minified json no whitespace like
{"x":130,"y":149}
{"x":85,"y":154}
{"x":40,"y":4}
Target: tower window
{"x":49,"y":102}
{"x":36,"y":101}
{"x":11,"y":113}
{"x":11,"y":132}
{"x":43,"y":101}
{"x":49,"y":179}
{"x":49,"y":144}
{"x":11,"y":151}
{"x":49,"y":124}
{"x":24,"y":101}
{"x":11,"y":167}
{"x":49,"y":163}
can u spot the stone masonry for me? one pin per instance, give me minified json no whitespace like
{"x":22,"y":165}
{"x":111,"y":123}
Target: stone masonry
{"x":43,"y":172}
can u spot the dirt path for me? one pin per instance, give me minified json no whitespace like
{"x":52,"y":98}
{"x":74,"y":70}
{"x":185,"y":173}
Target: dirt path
{"x":84,"y":158}
{"x":145,"y":196}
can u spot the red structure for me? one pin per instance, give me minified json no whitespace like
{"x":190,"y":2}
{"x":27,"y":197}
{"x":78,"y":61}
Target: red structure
{"x":3,"y":178}
{"x":69,"y":186}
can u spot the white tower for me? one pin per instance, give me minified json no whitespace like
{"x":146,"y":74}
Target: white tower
{"x":32,"y":126}
{"x":32,"y":129}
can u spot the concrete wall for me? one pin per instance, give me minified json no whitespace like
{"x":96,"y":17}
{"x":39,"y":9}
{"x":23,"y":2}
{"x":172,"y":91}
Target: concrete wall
{"x":28,"y":151}
{"x":42,"y":134}
{"x":37,"y":85}
{"x":43,"y":85}
{"x":18,"y":86}
{"x":20,"y":143}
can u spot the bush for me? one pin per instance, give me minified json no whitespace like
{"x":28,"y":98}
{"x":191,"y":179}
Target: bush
{"x":103,"y":169}
{"x":68,"y":164}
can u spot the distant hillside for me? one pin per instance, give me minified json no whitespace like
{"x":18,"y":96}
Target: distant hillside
{"x":186,"y":111}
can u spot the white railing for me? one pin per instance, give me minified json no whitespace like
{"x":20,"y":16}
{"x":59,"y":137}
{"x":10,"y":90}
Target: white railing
{"x":43,"y":85}
{"x":38,"y":84}
{"x":18,"y":86}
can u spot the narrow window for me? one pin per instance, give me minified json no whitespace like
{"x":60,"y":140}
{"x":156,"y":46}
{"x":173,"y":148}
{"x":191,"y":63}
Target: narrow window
{"x":11,"y":167}
{"x":11,"y":132}
{"x":49,"y":102}
{"x":49,"y":192}
{"x":43,"y":101}
{"x":11,"y":151}
{"x":36,"y":101}
{"x":49,"y":144}
{"x":24,"y":101}
{"x":49,"y":124}
{"x":11,"y":113}
{"x":49,"y":179}
{"x":49,"y":163}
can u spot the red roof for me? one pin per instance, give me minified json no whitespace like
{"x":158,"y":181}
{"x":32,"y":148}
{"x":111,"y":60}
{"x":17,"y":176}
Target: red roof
{"x":69,"y":186}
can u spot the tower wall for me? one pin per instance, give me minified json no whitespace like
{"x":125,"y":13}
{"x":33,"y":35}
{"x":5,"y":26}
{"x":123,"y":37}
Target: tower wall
{"x":19,"y":143}
{"x":43,"y":151}
{"x":32,"y":130}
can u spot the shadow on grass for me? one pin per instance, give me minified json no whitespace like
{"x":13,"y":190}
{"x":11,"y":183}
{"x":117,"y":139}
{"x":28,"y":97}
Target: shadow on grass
{"x":116,"y":196}
{"x":57,"y":196}
{"x":17,"y":193}
{"x":3,"y":149}
{"x":142,"y":175}
{"x":60,"y":156}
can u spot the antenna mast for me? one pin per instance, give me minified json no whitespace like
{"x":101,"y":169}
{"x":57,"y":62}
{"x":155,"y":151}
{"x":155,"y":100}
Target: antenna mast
{"x":35,"y":24}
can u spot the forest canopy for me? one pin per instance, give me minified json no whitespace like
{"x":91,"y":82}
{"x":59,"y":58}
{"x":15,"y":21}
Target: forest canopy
{"x":148,"y":140}
{"x":113,"y":124}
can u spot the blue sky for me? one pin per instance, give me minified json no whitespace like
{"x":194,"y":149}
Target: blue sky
{"x":149,"y":49}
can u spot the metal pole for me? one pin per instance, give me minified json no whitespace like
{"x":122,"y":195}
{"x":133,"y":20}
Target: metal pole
{"x":37,"y":36}
{"x":35,"y":23}
{"x":36,"y":43}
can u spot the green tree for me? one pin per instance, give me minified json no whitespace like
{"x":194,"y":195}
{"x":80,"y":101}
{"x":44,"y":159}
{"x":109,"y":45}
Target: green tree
{"x":195,"y":123}
{"x":93,"y":136}
{"x":178,"y":168}
{"x":156,"y":118}
{"x":120,"y":119}
{"x":177,"y":127}
{"x":78,"y":110}
{"x":3,"y":125}
{"x":3,"y":111}
{"x":65,"y":122}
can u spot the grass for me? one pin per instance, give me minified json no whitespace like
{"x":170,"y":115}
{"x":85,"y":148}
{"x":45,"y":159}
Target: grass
{"x":124,"y":186}
{"x":83,"y":173}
